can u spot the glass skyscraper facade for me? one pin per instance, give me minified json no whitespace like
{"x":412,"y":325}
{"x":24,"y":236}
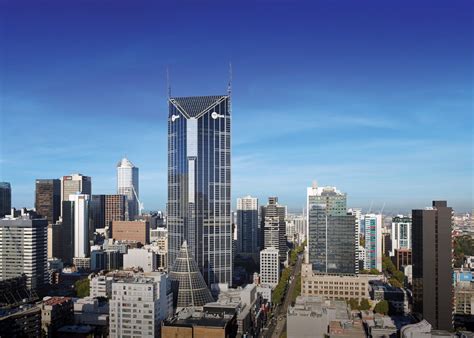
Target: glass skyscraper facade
{"x":199,"y":192}
{"x":332,"y":235}
{"x":127,"y":184}
{"x":247,"y":225}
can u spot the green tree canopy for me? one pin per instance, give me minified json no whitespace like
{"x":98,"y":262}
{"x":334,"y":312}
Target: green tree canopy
{"x":381,"y":307}
{"x":82,"y":287}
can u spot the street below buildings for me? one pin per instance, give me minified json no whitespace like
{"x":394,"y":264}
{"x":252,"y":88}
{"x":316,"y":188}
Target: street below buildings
{"x":278,"y":322}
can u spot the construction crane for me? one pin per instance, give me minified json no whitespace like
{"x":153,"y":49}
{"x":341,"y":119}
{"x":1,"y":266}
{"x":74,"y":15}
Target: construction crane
{"x":140,"y":204}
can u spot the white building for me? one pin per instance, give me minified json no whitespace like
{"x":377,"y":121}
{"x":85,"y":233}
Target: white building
{"x":101,"y":286}
{"x":139,"y":304}
{"x":23,"y":250}
{"x":145,"y":259}
{"x":81,"y":224}
{"x":269,"y":267}
{"x":401,"y":233}
{"x":127,"y":184}
{"x":300,"y":228}
{"x":373,"y":241}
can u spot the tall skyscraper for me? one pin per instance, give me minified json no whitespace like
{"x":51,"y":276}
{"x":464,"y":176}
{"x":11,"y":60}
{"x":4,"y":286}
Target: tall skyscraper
{"x":273,"y":211}
{"x":81,"y":225}
{"x":332,"y":235}
{"x":114,"y":209}
{"x":247,"y":226}
{"x":199,"y":183}
{"x":97,"y":211}
{"x":48,"y":199}
{"x":127,"y":184}
{"x":75,"y":183}
{"x":373,"y":241}
{"x":24,"y":250}
{"x":432,"y":264}
{"x":401,"y":233}
{"x":5,"y":198}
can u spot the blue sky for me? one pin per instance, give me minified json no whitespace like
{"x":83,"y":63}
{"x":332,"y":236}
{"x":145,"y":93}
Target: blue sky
{"x":373,"y":97}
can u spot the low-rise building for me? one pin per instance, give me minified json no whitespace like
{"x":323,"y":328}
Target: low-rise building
{"x":89,"y":311}
{"x":247,"y":303}
{"x":56,"y":312}
{"x":191,"y":323}
{"x":310,"y":316}
{"x":397,"y":298}
{"x":21,"y":321}
{"x":380,"y":326}
{"x":346,"y":328}
{"x":335,"y":286}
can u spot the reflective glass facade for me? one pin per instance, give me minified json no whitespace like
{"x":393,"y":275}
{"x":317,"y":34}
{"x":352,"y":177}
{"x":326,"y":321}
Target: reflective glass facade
{"x":332,"y":235}
{"x":199,"y":183}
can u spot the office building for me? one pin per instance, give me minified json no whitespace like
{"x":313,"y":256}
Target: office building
{"x":97,"y":212}
{"x":269,"y":267}
{"x":335,"y":286}
{"x":115,"y":209}
{"x":402,"y":258}
{"x":401,"y":233}
{"x":138,"y":231}
{"x":271,"y":232}
{"x":66,"y":233}
{"x":373,"y":241}
{"x":24,"y":250}
{"x":5,"y":199}
{"x":127,"y":184}
{"x":199,"y":183}
{"x":188,"y":285}
{"x":81,"y":225}
{"x":73,"y":184}
{"x":247,"y":226}
{"x":139,"y":305}
{"x":48,"y":199}
{"x":332,"y":235}
{"x":275,"y":211}
{"x":432,"y":264}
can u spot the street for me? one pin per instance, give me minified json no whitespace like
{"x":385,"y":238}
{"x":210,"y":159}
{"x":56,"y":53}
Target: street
{"x":278,"y":324}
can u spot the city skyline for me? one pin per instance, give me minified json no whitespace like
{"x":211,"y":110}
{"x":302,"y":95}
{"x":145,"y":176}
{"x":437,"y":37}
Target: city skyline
{"x":388,"y":121}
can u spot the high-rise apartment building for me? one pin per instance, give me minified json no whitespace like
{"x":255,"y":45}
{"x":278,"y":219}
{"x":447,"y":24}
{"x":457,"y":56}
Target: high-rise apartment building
{"x":75,"y":183}
{"x":401,"y":233}
{"x":5,"y":198}
{"x":373,"y":241}
{"x":24,"y":250}
{"x":138,"y":305}
{"x":275,"y":211}
{"x":332,"y":235}
{"x":127,"y":184}
{"x":432,"y":264}
{"x":48,"y":199}
{"x":247,"y":225}
{"x":270,"y":266}
{"x":199,"y":173}
{"x":81,"y":231}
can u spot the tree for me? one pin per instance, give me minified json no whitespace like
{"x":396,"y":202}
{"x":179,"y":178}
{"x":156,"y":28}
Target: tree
{"x":82,"y":287}
{"x":381,"y":307}
{"x":354,"y":304}
{"x":400,"y":276}
{"x":395,"y":282}
{"x":364,"y":304}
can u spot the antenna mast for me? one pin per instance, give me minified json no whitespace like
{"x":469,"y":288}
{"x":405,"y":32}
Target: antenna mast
{"x":168,"y":84}
{"x":229,"y":86}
